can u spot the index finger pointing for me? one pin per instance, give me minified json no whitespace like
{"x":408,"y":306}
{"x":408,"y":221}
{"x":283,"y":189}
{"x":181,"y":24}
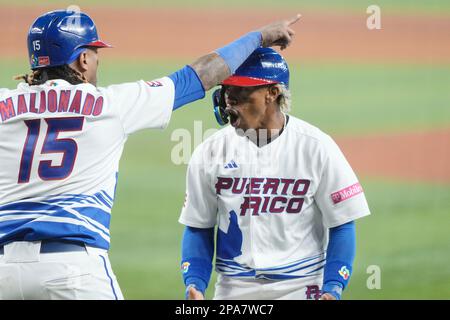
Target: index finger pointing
{"x":294,"y":20}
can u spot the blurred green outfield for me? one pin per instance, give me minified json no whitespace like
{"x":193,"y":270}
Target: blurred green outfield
{"x":407,"y":235}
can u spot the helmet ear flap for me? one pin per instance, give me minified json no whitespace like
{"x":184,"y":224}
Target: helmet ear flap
{"x":219,"y":106}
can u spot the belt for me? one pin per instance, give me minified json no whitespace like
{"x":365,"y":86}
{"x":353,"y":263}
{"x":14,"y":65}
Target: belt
{"x":54,"y":246}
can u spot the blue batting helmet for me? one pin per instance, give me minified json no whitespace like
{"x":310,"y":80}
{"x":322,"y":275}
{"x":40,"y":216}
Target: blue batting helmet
{"x":263,"y":66}
{"x":59,"y":37}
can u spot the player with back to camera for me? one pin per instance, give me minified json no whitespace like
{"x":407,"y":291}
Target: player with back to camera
{"x":61,"y":141}
{"x":279,"y":190}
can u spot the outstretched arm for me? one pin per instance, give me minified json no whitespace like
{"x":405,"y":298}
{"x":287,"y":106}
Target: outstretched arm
{"x":193,"y":80}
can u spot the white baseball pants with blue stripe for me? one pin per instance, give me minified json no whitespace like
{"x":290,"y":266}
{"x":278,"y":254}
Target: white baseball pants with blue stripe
{"x":229,"y":288}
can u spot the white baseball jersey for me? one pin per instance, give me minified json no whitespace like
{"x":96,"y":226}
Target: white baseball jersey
{"x":273,"y":204}
{"x":65,"y":141}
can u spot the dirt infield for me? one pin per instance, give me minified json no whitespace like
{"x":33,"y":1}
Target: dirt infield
{"x":152,"y":34}
{"x":413,"y":156}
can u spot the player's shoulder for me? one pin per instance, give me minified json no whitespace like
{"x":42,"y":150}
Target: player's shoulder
{"x":306,"y":130}
{"x":6,"y":92}
{"x":3,"y":93}
{"x":22,"y":88}
{"x":126,"y":87}
{"x":316,"y":138}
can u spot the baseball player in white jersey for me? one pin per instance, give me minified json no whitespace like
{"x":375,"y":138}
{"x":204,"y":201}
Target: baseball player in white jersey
{"x":279,"y":190}
{"x":61,"y":141}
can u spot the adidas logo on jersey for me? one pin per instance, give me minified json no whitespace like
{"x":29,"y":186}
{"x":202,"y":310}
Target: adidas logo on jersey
{"x":231,"y":165}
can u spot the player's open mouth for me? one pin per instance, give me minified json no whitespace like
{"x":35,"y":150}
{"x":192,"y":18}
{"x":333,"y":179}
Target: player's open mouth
{"x":234,"y":116}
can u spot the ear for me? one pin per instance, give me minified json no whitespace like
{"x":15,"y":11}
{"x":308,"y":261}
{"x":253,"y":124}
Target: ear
{"x":272,"y":93}
{"x":82,"y":62}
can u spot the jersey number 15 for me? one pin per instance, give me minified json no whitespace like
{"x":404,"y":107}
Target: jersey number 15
{"x":52,"y":144}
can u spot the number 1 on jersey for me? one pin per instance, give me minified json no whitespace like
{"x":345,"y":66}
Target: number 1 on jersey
{"x":52,"y":144}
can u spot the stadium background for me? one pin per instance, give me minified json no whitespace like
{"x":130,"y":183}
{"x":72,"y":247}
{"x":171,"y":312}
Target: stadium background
{"x":383,"y":94}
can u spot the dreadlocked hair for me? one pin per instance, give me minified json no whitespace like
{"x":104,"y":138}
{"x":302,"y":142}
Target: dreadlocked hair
{"x":64,"y":72}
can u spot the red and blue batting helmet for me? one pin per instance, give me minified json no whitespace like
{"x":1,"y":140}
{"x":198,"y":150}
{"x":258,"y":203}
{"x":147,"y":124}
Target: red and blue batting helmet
{"x":59,"y":37}
{"x":263,"y":66}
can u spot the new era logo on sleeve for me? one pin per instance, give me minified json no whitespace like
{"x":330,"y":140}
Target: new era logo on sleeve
{"x":231,"y":165}
{"x":346,"y":193}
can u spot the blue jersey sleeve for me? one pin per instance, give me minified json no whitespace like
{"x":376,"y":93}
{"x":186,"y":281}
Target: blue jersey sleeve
{"x":188,"y":87}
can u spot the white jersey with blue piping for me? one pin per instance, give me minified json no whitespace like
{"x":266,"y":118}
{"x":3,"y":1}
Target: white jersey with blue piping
{"x":60,"y":148}
{"x":272,"y":205}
